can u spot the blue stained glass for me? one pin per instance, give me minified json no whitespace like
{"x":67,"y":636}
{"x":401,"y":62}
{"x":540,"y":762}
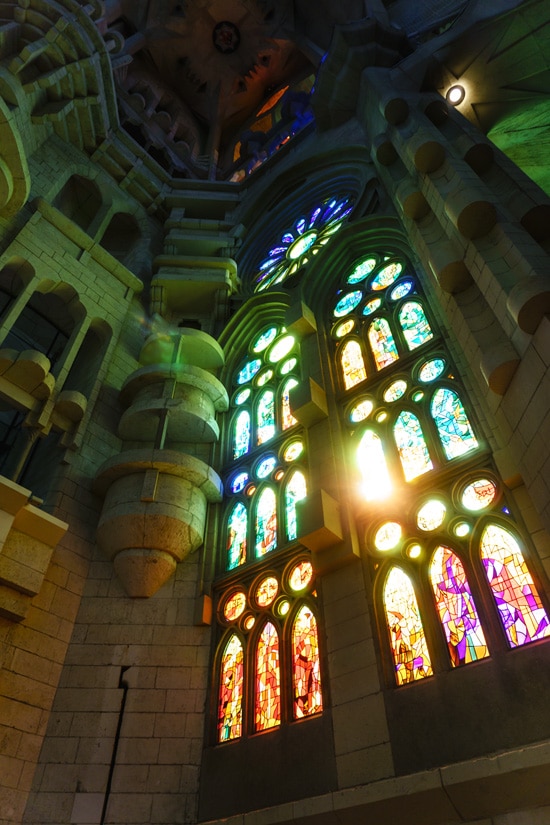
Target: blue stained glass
{"x":386,"y":276}
{"x":277,"y":250}
{"x":371,"y":306}
{"x":239,"y":482}
{"x":452,"y":423}
{"x":268,"y":264}
{"x":242,"y":396}
{"x":348,"y":303}
{"x":288,"y":238}
{"x":401,"y":290}
{"x":295,"y":491}
{"x":430,"y":370}
{"x":300,"y":226}
{"x":315,"y":214}
{"x":265,"y":417}
{"x":361,"y":271}
{"x":236,"y":536}
{"x":413,"y":452}
{"x":414,"y":324}
{"x":241,"y":439}
{"x":249,"y":371}
{"x":266,"y":466}
{"x":266,"y":523}
{"x":265,"y":339}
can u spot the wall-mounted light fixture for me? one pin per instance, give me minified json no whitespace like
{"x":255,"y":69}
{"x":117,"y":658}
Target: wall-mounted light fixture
{"x":455,"y":94}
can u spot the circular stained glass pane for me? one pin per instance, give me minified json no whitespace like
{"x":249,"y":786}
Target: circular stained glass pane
{"x":242,"y":396}
{"x":234,"y":606}
{"x":362,"y":270}
{"x":301,"y":244}
{"x":430,"y":370}
{"x":388,"y":536}
{"x":395,"y":391}
{"x":386,"y":276}
{"x":266,"y":591}
{"x":462,"y":529}
{"x":239,"y":482}
{"x":361,"y":411}
{"x":266,"y":466}
{"x":293,"y":451}
{"x":348,"y":303}
{"x":401,"y":290}
{"x":283,"y":607}
{"x":281,"y":348}
{"x":343,"y":328}
{"x":300,"y":575}
{"x":249,"y":622}
{"x":414,"y":551}
{"x":371,"y":306}
{"x":431,"y":515}
{"x":288,"y":366}
{"x":479,"y":494}
{"x":249,"y":371}
{"x":265,"y":339}
{"x":264,"y":377}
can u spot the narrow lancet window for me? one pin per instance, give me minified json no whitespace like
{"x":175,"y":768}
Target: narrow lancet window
{"x":266,"y":522}
{"x":306,"y":668}
{"x":453,"y":426}
{"x":295,"y":491}
{"x":414,"y":324}
{"x":353,"y":365}
{"x":407,"y":639}
{"x":236,"y":536}
{"x":231,"y":691}
{"x":268,"y":680}
{"x":411,"y":445}
{"x":382,"y":343}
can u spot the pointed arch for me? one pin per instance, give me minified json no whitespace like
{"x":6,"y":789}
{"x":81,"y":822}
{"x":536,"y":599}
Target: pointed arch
{"x":456,"y":608}
{"x":295,"y":490}
{"x":306,"y":669}
{"x":519,"y":606}
{"x":382,"y":343}
{"x":230,"y":704}
{"x":415,"y":325}
{"x":371,"y":460}
{"x":267,"y":679}
{"x":237,"y":532}
{"x":266,"y":522}
{"x":287,"y":419}
{"x":241,"y":434}
{"x":454,"y":429}
{"x":411,"y":445}
{"x":407,"y":640}
{"x":352,"y":364}
{"x":265,"y":417}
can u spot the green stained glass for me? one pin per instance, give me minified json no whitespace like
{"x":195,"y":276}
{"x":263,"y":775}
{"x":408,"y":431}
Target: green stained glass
{"x":281,"y":348}
{"x":395,"y":391}
{"x":287,"y":419}
{"x":295,"y":491}
{"x":353,"y":365}
{"x":249,"y":371}
{"x":242,"y":396}
{"x":265,"y":417}
{"x":430,"y":370}
{"x":408,"y":642}
{"x":231,"y":691}
{"x":264,"y":340}
{"x":289,"y":365}
{"x":371,"y":306}
{"x":361,"y":411}
{"x":386,"y":276}
{"x":414,"y":324}
{"x":382,"y":343}
{"x":457,"y":611}
{"x":348,"y":303}
{"x":264,"y":377}
{"x":376,"y":483}
{"x":241,"y":434}
{"x":236,"y":536}
{"x":452,"y":423}
{"x":306,"y":665}
{"x":411,"y":446}
{"x":266,"y":522}
{"x":362,"y":270}
{"x":267,"y":709}
{"x":519,"y":606}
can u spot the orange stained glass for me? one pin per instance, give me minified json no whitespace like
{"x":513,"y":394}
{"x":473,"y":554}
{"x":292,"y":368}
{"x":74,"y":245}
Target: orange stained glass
{"x":382,"y":343}
{"x":266,"y":591}
{"x":305,"y":655}
{"x":408,"y":642}
{"x":234,"y":606}
{"x":287,"y":419}
{"x":267,"y":710}
{"x":230,"y":714}
{"x":300,"y":575}
{"x":353,"y":365}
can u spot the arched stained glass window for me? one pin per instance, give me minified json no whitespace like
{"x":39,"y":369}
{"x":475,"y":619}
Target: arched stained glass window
{"x":306,"y":667}
{"x":287,"y":419}
{"x":236,"y":536}
{"x":266,"y":522}
{"x":519,"y":606}
{"x":265,"y":428}
{"x":456,"y":608}
{"x":353,"y":365}
{"x":376,"y":482}
{"x":382,"y":343}
{"x":411,"y":445}
{"x":295,"y":491}
{"x":241,"y":435}
{"x":414,"y":324}
{"x":231,"y":691}
{"x":453,"y":426}
{"x":407,"y":639}
{"x":267,"y":710}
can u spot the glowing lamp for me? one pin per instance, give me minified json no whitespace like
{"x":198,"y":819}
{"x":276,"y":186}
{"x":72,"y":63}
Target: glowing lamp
{"x":455,"y":94}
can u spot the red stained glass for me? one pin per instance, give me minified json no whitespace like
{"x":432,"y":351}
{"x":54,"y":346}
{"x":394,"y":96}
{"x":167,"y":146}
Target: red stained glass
{"x":408,"y":643}
{"x":230,"y":716}
{"x":305,"y":655}
{"x":268,"y":680}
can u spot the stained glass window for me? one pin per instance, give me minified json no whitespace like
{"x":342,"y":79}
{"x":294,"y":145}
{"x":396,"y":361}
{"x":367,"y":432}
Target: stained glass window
{"x":241,"y":439}
{"x":237,"y":534}
{"x":455,"y":431}
{"x":295,"y":491}
{"x":265,"y":428}
{"x":353,"y":365}
{"x":376,"y":482}
{"x":267,"y":711}
{"x":382,"y":343}
{"x":411,"y":445}
{"x":348,"y":303}
{"x":386,"y":276}
{"x":306,"y":666}
{"x":519,"y":606}
{"x":414,"y":324}
{"x":456,"y":608}
{"x":479,"y":494}
{"x":231,"y":691}
{"x":407,"y":640}
{"x":266,"y":522}
{"x":287,"y":419}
